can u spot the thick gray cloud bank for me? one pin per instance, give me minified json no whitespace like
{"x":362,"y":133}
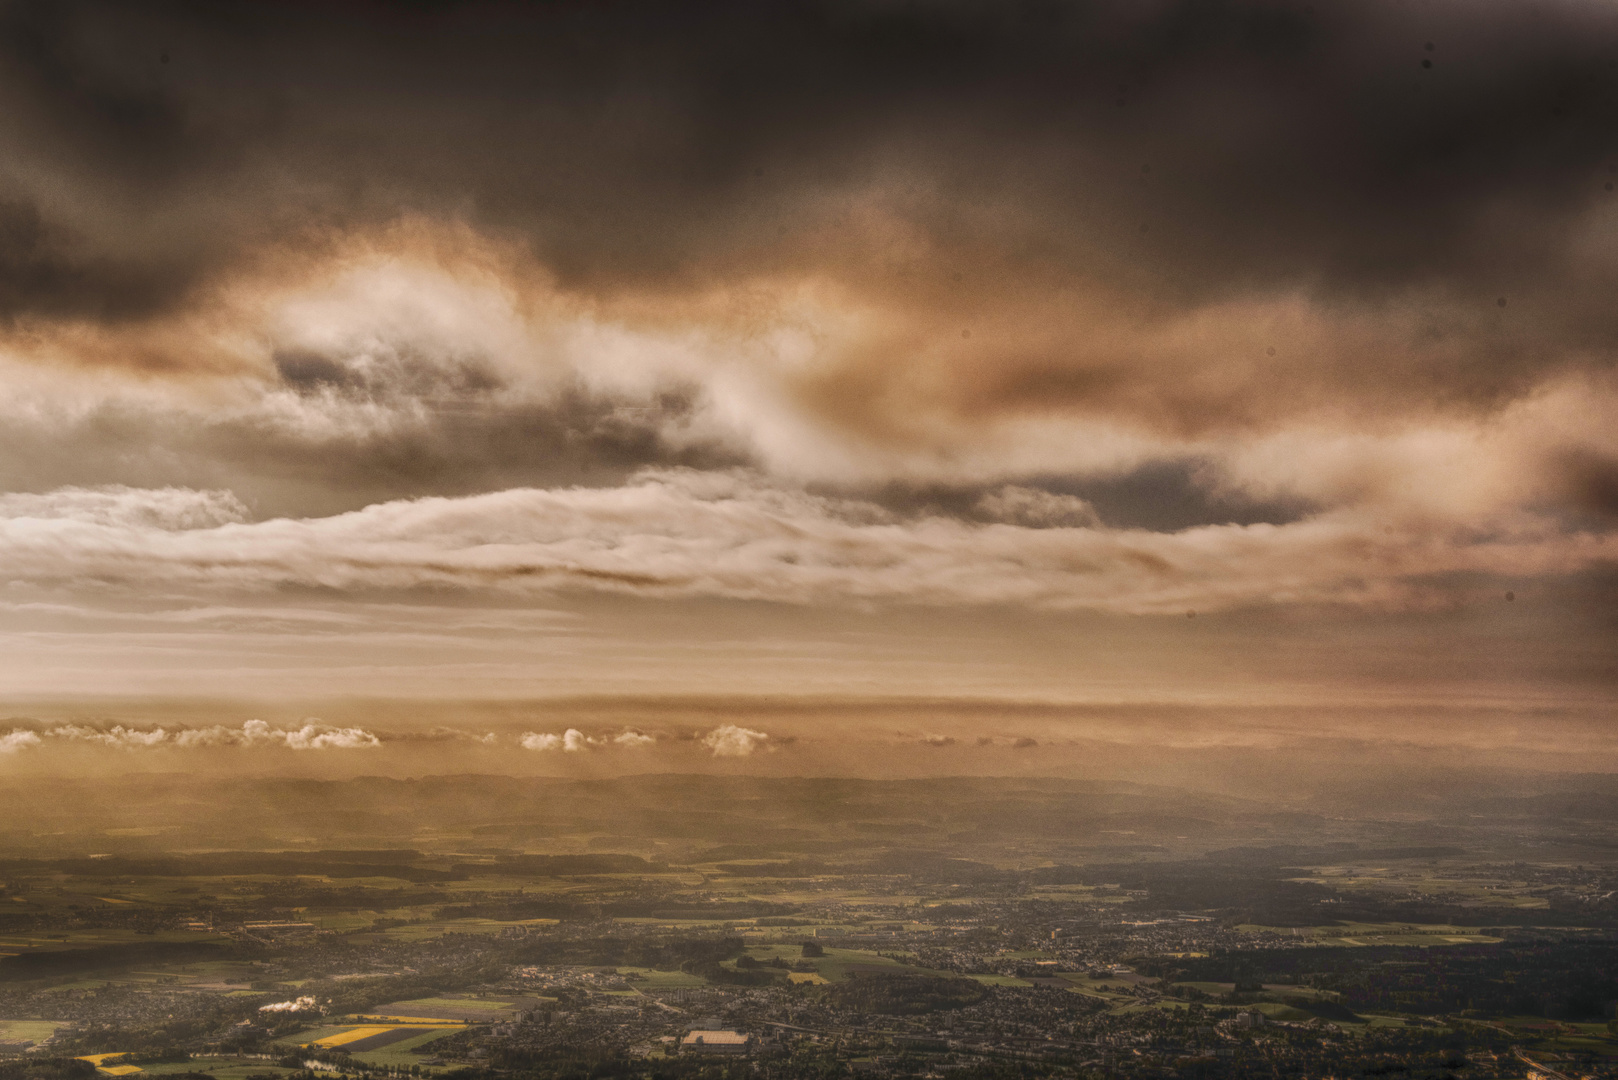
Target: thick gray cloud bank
{"x":1350,"y":147}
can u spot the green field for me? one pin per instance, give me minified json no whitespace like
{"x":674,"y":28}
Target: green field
{"x":431,"y":928}
{"x":1287,"y":989}
{"x":839,"y":964}
{"x":324,"y":1031}
{"x":55,"y":941}
{"x":1451,"y":883}
{"x":1358,"y":934}
{"x":998,"y":980}
{"x":398,"y":1053}
{"x":36,"y":1031}
{"x":401,"y":1053}
{"x":223,"y":1068}
{"x":449,"y":1003}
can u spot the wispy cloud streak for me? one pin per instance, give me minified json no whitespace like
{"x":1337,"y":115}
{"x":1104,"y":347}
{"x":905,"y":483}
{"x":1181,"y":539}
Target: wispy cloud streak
{"x":680,"y":534}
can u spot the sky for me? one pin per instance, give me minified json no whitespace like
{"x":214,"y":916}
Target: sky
{"x":366,"y":366}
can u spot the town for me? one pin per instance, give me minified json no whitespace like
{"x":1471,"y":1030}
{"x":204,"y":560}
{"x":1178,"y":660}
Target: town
{"x":404,"y":963}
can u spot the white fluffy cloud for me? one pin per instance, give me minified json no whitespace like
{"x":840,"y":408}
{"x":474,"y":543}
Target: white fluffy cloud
{"x":301,"y":1004}
{"x":733,"y":740}
{"x":115,"y":736}
{"x":313,"y":735}
{"x":574,"y":741}
{"x":13,"y":741}
{"x":571,"y":741}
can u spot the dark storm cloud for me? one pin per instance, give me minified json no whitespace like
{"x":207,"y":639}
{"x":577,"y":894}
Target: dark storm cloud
{"x":1163,"y":496}
{"x":1592,"y":482}
{"x":1191,"y":148}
